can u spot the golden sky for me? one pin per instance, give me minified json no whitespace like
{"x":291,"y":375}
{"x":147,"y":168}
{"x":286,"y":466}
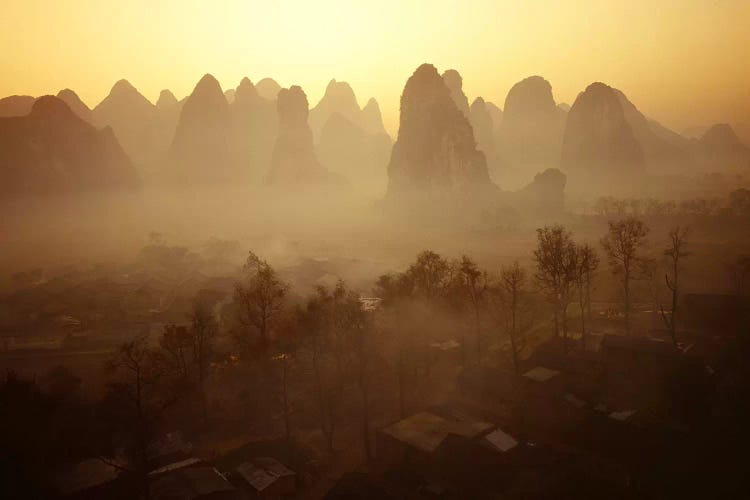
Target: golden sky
{"x":683,"y":62}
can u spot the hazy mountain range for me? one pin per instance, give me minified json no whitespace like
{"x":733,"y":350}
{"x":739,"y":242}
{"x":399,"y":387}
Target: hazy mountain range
{"x":246,"y":135}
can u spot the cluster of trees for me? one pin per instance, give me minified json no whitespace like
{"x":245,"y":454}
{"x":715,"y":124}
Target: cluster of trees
{"x":330,"y":357}
{"x":736,"y":204}
{"x":340,"y":348}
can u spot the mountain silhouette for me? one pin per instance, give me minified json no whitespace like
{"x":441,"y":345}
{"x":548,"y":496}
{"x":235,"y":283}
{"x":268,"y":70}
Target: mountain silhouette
{"x":454,"y":82}
{"x":167,"y":115}
{"x":599,"y":142}
{"x":293,"y":161}
{"x":544,"y":195}
{"x":720,"y":148}
{"x":371,"y":120}
{"x":495,"y":113}
{"x":268,"y":88}
{"x":662,"y":148}
{"x":76,"y":105}
{"x":166,"y":100}
{"x":435,"y":150}
{"x":350,"y":141}
{"x":229,"y":94}
{"x":483,"y":125}
{"x":132,"y":118}
{"x":485,"y":120}
{"x":52,"y":150}
{"x":201,"y":151}
{"x":254,"y":123}
{"x":16,"y":105}
{"x":530,"y":134}
{"x":338,"y":98}
{"x":349,"y":150}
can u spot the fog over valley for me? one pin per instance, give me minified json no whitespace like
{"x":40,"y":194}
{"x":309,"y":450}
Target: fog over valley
{"x":473,"y":289}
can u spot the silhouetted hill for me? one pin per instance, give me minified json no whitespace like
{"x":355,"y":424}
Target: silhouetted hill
{"x":544,"y":195}
{"x":132,"y":118}
{"x":349,"y":150}
{"x":268,"y":88}
{"x":530,"y":135}
{"x":599,"y":142}
{"x":166,"y":100}
{"x":662,"y":148}
{"x":454,"y":82}
{"x":338,"y":98}
{"x":76,"y":105}
{"x":201,"y":151}
{"x":722,"y":137}
{"x":349,"y":141}
{"x":484,"y":129}
{"x":51,"y":150}
{"x":293,"y":161}
{"x":496,"y":113}
{"x":229,"y":94}
{"x":254,"y":125}
{"x":167,"y":115}
{"x":371,"y":120}
{"x":497,"y":119}
{"x":16,"y":105}
{"x":720,"y":148}
{"x":435,"y":150}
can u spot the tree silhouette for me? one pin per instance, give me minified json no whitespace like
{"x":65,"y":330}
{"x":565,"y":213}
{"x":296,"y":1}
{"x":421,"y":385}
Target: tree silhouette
{"x":260,"y":298}
{"x":675,"y":252}
{"x":623,"y":244}
{"x":587,"y":263}
{"x":556,"y":269}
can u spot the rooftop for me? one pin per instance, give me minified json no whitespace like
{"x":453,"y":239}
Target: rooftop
{"x":425,"y":430}
{"x":261,"y":472}
{"x":501,"y":441}
{"x":541,"y":374}
{"x":175,"y":466}
{"x":191,"y":483}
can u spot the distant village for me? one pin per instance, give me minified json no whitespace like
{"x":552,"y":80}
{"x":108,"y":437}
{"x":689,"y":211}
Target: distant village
{"x":219,"y":380}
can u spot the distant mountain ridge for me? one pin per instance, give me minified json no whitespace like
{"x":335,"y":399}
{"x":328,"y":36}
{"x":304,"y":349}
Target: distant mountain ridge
{"x":435,"y":151}
{"x":294,"y":162}
{"x":52,"y":150}
{"x":229,"y":136}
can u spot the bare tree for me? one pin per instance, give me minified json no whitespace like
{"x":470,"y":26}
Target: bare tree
{"x":316,"y":319}
{"x":396,"y":292}
{"x":430,"y":274}
{"x":675,"y":252}
{"x":474,"y":283}
{"x":203,"y":333}
{"x":555,"y":258}
{"x":260,"y":298}
{"x":185,"y":353}
{"x":284,"y":358}
{"x":739,"y":274}
{"x":359,"y":325}
{"x":587,"y":263}
{"x":512,"y":283}
{"x":175,"y":353}
{"x":138,"y":393}
{"x":623,"y":244}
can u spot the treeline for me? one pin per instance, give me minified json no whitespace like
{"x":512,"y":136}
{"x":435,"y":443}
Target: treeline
{"x":736,"y":204}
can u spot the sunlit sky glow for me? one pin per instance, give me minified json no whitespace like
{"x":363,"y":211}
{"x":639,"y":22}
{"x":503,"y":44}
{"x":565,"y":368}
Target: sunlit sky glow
{"x":683,"y":62}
